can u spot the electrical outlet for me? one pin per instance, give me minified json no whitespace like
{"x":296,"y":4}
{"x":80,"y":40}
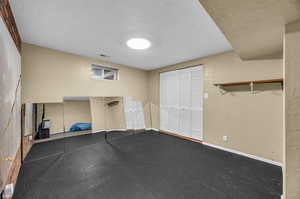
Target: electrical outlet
{"x":225,"y":138}
{"x":30,"y":137}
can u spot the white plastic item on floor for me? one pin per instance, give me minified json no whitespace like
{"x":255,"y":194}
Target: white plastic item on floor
{"x":8,"y":191}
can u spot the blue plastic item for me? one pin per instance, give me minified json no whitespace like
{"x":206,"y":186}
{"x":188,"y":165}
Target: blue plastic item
{"x":81,"y":127}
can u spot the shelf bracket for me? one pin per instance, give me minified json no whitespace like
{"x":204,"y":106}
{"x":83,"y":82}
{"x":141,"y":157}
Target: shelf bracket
{"x":221,"y":90}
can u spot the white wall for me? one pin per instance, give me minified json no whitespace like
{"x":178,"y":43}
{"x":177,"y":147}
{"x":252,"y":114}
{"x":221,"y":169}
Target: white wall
{"x":10,"y":70}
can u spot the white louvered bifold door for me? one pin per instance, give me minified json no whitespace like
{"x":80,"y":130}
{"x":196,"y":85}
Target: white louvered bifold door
{"x":185,"y":103}
{"x":173,"y":101}
{"x":128,"y":113}
{"x":140,"y":120}
{"x":197,"y":102}
{"x":134,"y":114}
{"x":163,"y":102}
{"x":181,"y":102}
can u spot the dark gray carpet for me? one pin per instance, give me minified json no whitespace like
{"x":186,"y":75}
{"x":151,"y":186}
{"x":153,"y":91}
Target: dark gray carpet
{"x":147,"y":165}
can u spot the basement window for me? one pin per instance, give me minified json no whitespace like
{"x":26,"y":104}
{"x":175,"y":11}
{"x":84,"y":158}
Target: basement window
{"x":103,"y":73}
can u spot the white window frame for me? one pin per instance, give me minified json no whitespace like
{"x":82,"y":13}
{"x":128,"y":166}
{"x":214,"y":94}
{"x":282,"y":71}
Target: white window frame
{"x":103,"y":76}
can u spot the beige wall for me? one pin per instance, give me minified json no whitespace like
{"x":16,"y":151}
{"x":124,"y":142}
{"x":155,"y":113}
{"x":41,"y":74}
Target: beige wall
{"x":66,"y":114}
{"x":292,"y":111}
{"x":115,"y":113}
{"x":98,"y":115}
{"x":253,"y":123}
{"x":55,"y":113}
{"x":106,"y":117}
{"x":49,"y":75}
{"x":76,"y":111}
{"x":254,"y":28}
{"x":95,"y":111}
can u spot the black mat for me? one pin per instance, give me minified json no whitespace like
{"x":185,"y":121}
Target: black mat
{"x":146,"y":165}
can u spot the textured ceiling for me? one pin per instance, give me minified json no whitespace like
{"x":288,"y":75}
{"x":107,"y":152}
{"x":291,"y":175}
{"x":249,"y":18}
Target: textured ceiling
{"x":255,"y":27}
{"x":179,"y":30}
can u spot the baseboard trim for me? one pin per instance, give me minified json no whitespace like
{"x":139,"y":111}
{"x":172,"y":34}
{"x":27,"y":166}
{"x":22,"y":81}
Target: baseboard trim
{"x":180,"y":136}
{"x":99,"y":131}
{"x":125,"y":130}
{"x":147,"y":129}
{"x":244,"y":154}
{"x":53,"y":133}
{"x":151,"y":129}
{"x":116,"y":130}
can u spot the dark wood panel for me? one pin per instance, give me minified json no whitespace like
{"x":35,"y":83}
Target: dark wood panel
{"x":8,"y":17}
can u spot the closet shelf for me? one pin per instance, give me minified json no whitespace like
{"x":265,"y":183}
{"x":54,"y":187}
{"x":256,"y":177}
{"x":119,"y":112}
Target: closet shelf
{"x":249,"y":82}
{"x":222,"y":86}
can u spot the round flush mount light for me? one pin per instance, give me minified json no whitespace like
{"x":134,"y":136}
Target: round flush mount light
{"x":138,"y":43}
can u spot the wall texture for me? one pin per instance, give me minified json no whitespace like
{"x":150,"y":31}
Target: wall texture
{"x":115,"y":113}
{"x":49,"y":75}
{"x":98,"y":114}
{"x":76,"y":111}
{"x":106,"y":117}
{"x":55,"y":113}
{"x":96,"y":111}
{"x":254,"y":28}
{"x":10,"y":118}
{"x":292,"y":111}
{"x":63,"y":115}
{"x":253,"y":123}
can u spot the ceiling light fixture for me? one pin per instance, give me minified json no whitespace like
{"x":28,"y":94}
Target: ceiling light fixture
{"x":138,"y":43}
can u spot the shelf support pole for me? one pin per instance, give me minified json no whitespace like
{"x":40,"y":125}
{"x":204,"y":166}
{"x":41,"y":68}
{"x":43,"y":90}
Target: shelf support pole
{"x":252,"y":88}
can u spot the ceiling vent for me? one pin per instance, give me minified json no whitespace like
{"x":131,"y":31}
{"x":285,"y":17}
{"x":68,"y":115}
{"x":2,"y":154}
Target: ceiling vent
{"x":104,"y":55}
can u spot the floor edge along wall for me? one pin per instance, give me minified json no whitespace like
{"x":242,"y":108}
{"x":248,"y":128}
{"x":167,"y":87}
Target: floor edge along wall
{"x":222,"y":148}
{"x":181,"y":136}
{"x":245,"y":154}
